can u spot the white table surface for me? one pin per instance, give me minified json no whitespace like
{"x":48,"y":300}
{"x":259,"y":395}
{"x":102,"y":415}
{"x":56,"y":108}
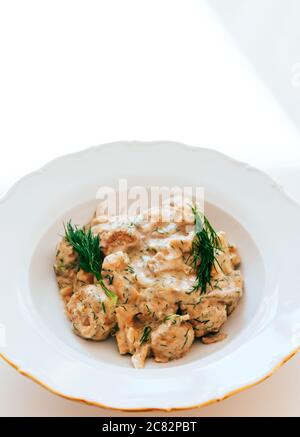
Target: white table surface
{"x":76,"y":73}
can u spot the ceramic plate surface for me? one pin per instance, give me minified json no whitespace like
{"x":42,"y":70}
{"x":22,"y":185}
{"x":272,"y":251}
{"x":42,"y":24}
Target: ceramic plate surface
{"x":263,"y":332}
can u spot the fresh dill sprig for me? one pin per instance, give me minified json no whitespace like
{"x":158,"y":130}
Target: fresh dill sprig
{"x":87,"y":246}
{"x":205,"y":245}
{"x":145,"y":335}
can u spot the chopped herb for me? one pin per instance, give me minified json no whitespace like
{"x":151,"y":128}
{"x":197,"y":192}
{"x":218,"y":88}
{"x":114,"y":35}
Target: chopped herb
{"x":186,"y":338}
{"x":201,"y":321}
{"x":174,"y":318}
{"x":145,"y":335}
{"x":130,"y":269}
{"x":110,"y":278}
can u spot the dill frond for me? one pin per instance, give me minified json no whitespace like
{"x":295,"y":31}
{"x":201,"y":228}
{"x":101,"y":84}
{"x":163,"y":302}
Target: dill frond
{"x":88,"y":248}
{"x":205,"y":245}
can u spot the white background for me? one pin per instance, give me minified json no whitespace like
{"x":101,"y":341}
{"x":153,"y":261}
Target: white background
{"x":210,"y":73}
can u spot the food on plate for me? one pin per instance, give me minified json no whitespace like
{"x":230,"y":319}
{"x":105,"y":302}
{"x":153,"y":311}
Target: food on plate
{"x":154,"y":283}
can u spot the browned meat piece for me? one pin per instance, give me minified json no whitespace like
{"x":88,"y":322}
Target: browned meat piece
{"x":66,"y":264}
{"x":119,"y":239}
{"x":172,"y":339}
{"x":207,"y":316}
{"x":66,"y":258}
{"x":91,"y":312}
{"x":228,"y":296}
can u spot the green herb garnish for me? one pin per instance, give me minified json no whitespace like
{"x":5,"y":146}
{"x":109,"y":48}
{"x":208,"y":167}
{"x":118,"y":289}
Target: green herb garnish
{"x":186,"y":338}
{"x":87,"y":246}
{"x":205,"y":245}
{"x":145,"y":335}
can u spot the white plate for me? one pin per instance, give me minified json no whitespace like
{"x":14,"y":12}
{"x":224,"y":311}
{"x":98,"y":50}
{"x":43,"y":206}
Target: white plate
{"x":264,"y":331}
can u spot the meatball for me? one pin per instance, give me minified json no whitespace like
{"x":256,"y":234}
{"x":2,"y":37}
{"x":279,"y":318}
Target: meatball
{"x":117,"y":261}
{"x":66,"y":264}
{"x":66,"y":258}
{"x":91,"y":312}
{"x":118,"y":273}
{"x":228,"y":296}
{"x":120,"y":239}
{"x":207,"y":316}
{"x":156,"y":304}
{"x":172,"y":339}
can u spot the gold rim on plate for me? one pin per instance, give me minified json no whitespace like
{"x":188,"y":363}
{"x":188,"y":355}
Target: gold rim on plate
{"x":141,"y":410}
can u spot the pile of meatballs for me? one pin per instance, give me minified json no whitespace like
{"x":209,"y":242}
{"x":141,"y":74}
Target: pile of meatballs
{"x":146,"y":263}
